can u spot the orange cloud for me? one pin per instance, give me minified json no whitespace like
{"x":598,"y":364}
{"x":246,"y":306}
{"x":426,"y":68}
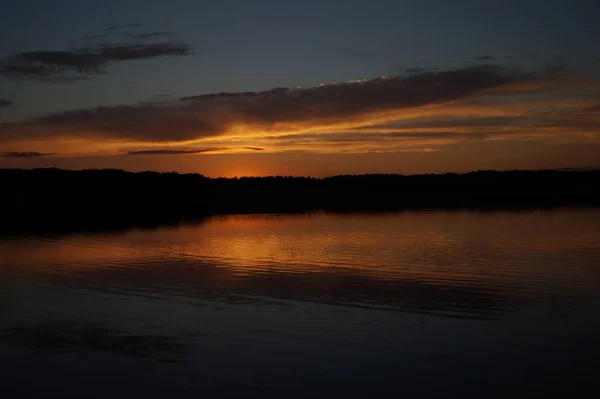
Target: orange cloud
{"x":421,"y":112}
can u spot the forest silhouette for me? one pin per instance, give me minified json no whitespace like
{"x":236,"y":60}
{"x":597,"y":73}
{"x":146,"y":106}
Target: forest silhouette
{"x":55,"y":199}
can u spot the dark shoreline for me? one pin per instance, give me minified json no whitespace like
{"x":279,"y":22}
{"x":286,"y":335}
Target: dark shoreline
{"x":55,"y":200}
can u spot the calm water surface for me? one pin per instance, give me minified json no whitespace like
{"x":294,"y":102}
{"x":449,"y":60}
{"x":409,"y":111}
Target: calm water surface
{"x":418,"y":303}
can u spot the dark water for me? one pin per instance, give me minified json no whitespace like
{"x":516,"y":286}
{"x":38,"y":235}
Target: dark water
{"x":420,"y":303}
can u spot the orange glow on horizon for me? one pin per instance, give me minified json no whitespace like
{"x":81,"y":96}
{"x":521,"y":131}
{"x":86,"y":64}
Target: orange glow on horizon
{"x":539,"y":112}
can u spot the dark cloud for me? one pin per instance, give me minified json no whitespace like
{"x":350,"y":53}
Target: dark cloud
{"x":484,"y":58}
{"x":75,"y":64}
{"x":212,"y":115}
{"x":122,"y":52}
{"x":119,"y":27}
{"x":254,"y":148}
{"x":25,"y":154}
{"x":5,"y":103}
{"x":152,"y":35}
{"x":524,"y":57}
{"x":416,"y":70}
{"x":174,"y":152}
{"x":48,"y":63}
{"x":96,"y":37}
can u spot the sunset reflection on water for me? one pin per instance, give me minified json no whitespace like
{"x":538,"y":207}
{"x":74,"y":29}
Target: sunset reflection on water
{"x":349,"y":294}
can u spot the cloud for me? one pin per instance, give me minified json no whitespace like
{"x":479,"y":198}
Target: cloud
{"x":442,"y":122}
{"x":416,"y":70}
{"x":152,"y":35}
{"x":174,"y":152}
{"x":31,"y":154}
{"x":418,"y":112}
{"x":121,"y":52}
{"x":523,"y":57}
{"x":99,"y":36}
{"x":119,"y":27}
{"x":275,"y":110}
{"x":595,"y":108}
{"x":484,"y":58}
{"x":82,"y":61}
{"x":364,"y":137}
{"x":358,"y":142}
{"x":60,"y":66}
{"x":5,"y":103}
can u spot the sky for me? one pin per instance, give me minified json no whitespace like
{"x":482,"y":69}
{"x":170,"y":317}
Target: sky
{"x":317,"y":88}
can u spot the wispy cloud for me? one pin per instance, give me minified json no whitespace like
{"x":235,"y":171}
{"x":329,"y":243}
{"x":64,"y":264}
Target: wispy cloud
{"x":416,"y":70}
{"x":123,"y":26}
{"x":98,"y":36}
{"x":353,"y":141}
{"x":484,"y":58}
{"x":82,"y":61}
{"x":523,"y":57}
{"x":174,"y":152}
{"x":75,"y":64}
{"x":5,"y":103}
{"x":255,"y":148}
{"x":152,"y":35}
{"x":17,"y":154}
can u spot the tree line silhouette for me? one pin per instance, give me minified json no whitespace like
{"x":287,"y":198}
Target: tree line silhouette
{"x":62,"y":199}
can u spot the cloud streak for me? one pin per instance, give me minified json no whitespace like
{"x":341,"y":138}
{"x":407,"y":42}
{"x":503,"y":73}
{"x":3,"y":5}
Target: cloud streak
{"x":152,"y":35}
{"x":120,"y":27}
{"x":416,"y":70}
{"x":174,"y":152}
{"x":81,"y":62}
{"x":5,"y":103}
{"x":31,"y":154}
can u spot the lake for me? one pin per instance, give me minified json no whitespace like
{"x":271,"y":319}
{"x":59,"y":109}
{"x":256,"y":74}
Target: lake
{"x":426,"y":303}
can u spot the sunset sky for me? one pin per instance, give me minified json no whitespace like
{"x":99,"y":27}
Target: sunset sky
{"x":281,"y":87}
